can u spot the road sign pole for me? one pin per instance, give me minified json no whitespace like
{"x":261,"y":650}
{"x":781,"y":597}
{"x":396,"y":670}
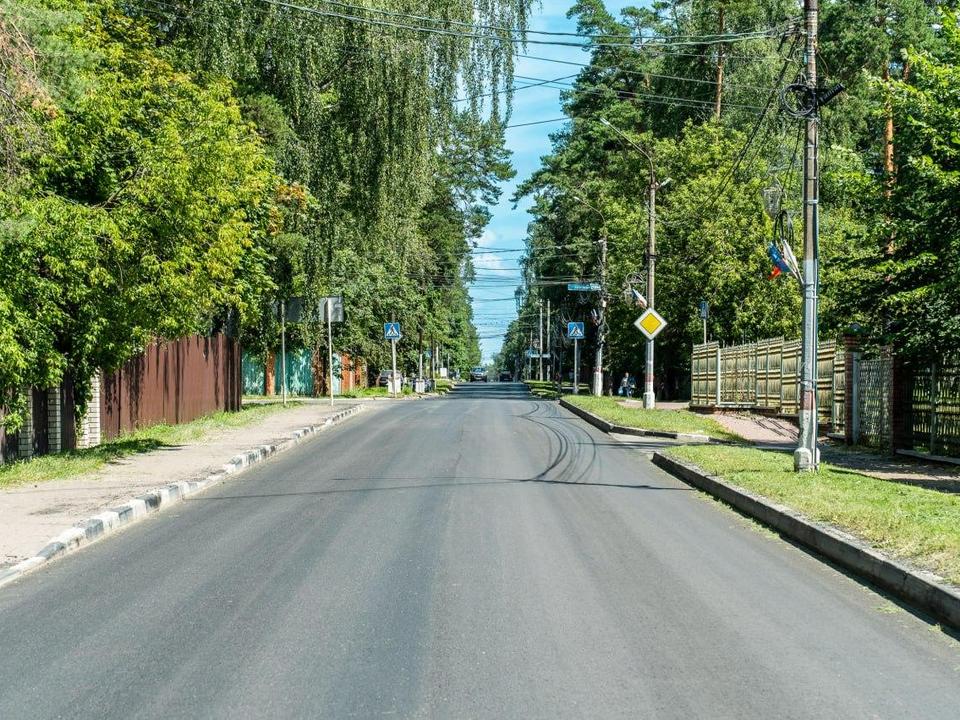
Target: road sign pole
{"x":649,"y":397}
{"x":393,"y":378}
{"x":330,"y":343}
{"x":576,"y":367}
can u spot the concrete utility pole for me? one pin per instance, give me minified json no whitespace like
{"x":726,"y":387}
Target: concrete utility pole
{"x":649,"y":396}
{"x":329,"y":309}
{"x":549,"y":345}
{"x":283,"y":347}
{"x":602,"y":319}
{"x":540,"y":341}
{"x":807,"y":455}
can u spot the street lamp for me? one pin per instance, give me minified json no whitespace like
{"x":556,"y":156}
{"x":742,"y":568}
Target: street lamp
{"x":601,"y":320}
{"x":649,"y":396}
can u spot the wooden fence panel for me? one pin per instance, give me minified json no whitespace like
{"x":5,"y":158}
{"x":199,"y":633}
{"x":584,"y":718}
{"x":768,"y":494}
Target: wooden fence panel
{"x":765,"y":376}
{"x":790,"y":397}
{"x":932,"y":404}
{"x":769,"y":361}
{"x":703,"y":375}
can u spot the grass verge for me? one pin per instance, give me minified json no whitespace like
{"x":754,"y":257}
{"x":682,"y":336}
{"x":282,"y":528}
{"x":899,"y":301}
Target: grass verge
{"x":77,"y":462}
{"x":682,"y":421}
{"x":915,"y":524}
{"x":373,"y":392}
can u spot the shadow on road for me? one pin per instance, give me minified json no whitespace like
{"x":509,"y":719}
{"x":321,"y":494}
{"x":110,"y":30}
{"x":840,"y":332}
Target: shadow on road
{"x":489,"y":391}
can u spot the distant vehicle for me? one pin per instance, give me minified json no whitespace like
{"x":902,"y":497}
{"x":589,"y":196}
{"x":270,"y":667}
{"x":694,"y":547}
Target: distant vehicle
{"x":479,"y":374}
{"x":505,"y":376}
{"x":384,"y":379}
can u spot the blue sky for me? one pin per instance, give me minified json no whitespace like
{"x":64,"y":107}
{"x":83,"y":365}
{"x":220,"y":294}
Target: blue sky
{"x":493,"y":304}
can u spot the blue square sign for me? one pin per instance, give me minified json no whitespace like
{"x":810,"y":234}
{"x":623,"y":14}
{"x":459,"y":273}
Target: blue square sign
{"x":391,"y":331}
{"x":575,"y":331}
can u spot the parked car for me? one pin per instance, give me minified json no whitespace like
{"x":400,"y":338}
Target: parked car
{"x":383,"y":380}
{"x":479,"y":374}
{"x":505,"y":376}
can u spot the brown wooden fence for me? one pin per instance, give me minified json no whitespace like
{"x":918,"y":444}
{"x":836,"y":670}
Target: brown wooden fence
{"x":172,"y":382}
{"x":765,"y":377}
{"x":929,"y":400}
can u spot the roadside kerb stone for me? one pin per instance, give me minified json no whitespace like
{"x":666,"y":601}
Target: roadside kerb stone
{"x":608,"y":427}
{"x":924,"y":590}
{"x":139,"y":507}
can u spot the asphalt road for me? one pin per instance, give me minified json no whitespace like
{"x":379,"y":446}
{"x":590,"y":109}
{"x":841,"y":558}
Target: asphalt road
{"x":481,"y":555}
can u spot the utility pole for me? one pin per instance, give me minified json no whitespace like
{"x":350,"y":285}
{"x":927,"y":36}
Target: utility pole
{"x":329,"y":310}
{"x":283,"y":346}
{"x":649,"y":396}
{"x":601,"y":320}
{"x":807,"y":456}
{"x":540,"y":341}
{"x":549,"y":345}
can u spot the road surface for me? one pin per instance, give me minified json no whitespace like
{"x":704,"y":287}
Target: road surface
{"x":484,"y":555}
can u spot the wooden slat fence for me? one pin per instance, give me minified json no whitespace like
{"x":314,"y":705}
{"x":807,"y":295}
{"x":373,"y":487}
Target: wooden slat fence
{"x":765,"y":376}
{"x":931,"y":398}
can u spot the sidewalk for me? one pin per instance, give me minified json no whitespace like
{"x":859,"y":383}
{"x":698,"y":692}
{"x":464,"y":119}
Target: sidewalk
{"x":32,"y":514}
{"x":781,"y":435}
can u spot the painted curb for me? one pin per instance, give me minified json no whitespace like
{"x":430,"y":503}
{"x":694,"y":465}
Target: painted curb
{"x":609,"y":427}
{"x":139,"y":507}
{"x":922,"y":589}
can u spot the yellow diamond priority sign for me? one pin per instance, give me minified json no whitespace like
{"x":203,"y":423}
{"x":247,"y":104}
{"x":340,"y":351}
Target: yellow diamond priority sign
{"x":650,"y":323}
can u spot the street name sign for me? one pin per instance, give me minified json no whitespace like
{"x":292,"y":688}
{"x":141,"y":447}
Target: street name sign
{"x":583,"y":287}
{"x":650,"y":323}
{"x":575,"y":331}
{"x":391,"y":331}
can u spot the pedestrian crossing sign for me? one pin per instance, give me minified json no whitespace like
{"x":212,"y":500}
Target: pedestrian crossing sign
{"x":391,"y":331}
{"x":651,"y":323}
{"x":575,"y":331}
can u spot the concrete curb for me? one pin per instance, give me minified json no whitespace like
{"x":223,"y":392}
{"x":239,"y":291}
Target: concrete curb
{"x":922,"y":589}
{"x":139,"y":507}
{"x":609,"y":427}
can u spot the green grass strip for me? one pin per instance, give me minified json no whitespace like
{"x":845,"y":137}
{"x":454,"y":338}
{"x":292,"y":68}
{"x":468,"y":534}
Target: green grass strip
{"x":78,"y":462}
{"x":916,"y":524}
{"x":682,"y":421}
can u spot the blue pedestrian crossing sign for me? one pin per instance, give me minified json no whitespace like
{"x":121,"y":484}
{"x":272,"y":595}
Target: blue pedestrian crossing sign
{"x":391,"y":331}
{"x":575,"y":331}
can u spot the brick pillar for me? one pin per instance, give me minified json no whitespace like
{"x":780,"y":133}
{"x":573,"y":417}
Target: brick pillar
{"x":90,"y":431}
{"x":852,"y":345}
{"x":270,"y":376}
{"x":54,"y":421}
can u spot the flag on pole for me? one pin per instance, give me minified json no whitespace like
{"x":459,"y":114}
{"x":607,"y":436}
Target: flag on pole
{"x":779,"y":264}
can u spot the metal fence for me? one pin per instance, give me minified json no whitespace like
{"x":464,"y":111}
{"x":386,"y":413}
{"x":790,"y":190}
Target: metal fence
{"x":872,"y":414}
{"x":765,"y":376}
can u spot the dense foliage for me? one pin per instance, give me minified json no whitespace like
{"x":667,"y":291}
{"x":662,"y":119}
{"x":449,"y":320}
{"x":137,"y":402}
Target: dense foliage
{"x":702,"y":108}
{"x":179,"y":168}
